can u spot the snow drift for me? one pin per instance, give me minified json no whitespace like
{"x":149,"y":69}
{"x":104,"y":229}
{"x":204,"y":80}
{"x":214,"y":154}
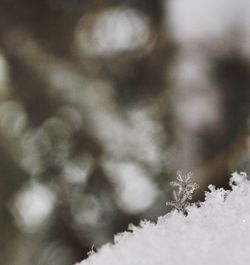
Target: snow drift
{"x":216,"y":232}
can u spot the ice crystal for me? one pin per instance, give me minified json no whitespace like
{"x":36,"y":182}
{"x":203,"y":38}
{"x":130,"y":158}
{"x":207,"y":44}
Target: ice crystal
{"x":92,"y":251}
{"x":184,"y":187}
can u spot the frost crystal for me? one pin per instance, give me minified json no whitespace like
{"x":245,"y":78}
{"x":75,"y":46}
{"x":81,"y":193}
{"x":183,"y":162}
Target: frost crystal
{"x":184,"y":188}
{"x":92,"y":251}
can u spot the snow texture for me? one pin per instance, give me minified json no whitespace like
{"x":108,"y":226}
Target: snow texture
{"x":217,"y":232}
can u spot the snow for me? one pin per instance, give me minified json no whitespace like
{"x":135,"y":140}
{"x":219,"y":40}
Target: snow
{"x":217,"y":232}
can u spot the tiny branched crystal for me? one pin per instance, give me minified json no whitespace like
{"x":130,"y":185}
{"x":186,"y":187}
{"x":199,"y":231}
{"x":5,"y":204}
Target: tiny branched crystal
{"x":184,"y":187}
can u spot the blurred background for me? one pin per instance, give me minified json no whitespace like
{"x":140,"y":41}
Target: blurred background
{"x":101,"y":102}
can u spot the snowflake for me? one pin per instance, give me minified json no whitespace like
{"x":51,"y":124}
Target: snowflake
{"x":184,"y":188}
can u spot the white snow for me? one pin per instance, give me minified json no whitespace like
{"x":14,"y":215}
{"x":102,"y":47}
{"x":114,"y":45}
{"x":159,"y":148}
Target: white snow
{"x":218,"y":232}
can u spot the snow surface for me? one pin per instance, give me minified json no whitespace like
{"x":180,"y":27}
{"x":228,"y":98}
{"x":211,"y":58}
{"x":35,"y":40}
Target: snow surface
{"x":217,"y":232}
